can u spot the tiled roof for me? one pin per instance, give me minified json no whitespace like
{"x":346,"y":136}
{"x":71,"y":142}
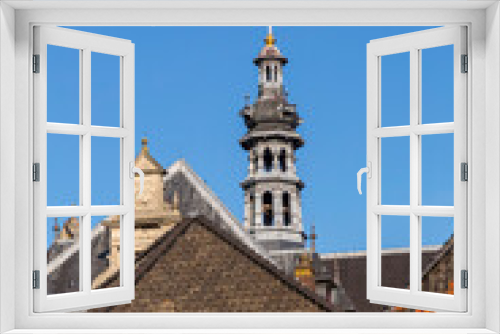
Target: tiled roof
{"x":350,"y":272}
{"x":145,"y":262}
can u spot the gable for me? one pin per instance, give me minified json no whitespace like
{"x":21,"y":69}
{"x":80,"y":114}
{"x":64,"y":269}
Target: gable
{"x":198,"y":268}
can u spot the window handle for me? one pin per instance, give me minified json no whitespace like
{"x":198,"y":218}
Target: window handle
{"x":133,"y":171}
{"x":368,"y":171}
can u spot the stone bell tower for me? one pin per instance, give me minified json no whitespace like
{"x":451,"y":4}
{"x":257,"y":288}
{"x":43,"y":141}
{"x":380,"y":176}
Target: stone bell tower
{"x":273,"y":214}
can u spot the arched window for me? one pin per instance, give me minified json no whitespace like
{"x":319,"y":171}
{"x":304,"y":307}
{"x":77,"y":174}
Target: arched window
{"x":268,"y":74}
{"x":275,"y":73}
{"x":267,"y":208}
{"x":252,"y":210}
{"x":268,"y":160}
{"x":255,"y":161}
{"x":287,"y":221}
{"x":282,"y":160}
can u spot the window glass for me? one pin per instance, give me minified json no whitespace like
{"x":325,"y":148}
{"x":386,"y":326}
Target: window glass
{"x":395,"y":252}
{"x":106,"y":171}
{"x":395,"y":167}
{"x":437,"y":84}
{"x":395,"y":89}
{"x":63,"y":170}
{"x":105,"y":251}
{"x":437,"y":169}
{"x":63,"y":85}
{"x":105,"y":90}
{"x":437,"y":254}
{"x":63,"y":239}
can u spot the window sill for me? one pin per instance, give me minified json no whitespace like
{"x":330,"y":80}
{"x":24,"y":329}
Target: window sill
{"x":253,"y":331}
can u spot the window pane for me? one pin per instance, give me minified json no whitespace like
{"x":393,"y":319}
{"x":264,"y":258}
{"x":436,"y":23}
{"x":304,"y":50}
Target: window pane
{"x":105,"y":90}
{"x":437,"y":84}
{"x":395,"y":171}
{"x":105,"y":171}
{"x":63,"y":85}
{"x":437,"y":169}
{"x":63,"y":170}
{"x":395,"y":89}
{"x":437,"y":254}
{"x":105,"y":252}
{"x":62,"y":234}
{"x":395,"y":245}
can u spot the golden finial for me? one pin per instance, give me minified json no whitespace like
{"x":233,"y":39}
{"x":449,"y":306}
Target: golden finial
{"x":144,"y":142}
{"x":270,"y":40}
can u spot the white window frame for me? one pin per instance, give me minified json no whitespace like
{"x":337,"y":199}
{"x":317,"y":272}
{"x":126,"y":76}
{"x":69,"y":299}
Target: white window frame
{"x":483,"y":21}
{"x":86,"y":44}
{"x":414,"y":43}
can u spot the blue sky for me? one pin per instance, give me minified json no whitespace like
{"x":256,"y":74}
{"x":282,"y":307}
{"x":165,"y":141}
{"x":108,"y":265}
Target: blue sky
{"x":190,"y":86}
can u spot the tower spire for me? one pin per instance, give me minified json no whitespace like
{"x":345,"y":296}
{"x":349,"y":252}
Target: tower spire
{"x":270,"y":40}
{"x":273,"y":214}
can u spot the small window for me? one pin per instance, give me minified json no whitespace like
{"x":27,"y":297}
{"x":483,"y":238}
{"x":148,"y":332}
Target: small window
{"x":282,"y":160}
{"x":267,"y":206}
{"x":268,"y":74}
{"x":268,"y":160}
{"x":286,"y":209}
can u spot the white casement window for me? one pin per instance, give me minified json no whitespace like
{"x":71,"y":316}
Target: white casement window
{"x":417,"y":135}
{"x":76,"y":233}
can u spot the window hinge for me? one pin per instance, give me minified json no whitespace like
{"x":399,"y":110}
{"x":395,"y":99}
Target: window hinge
{"x":36,"y":172}
{"x":36,"y":63}
{"x":464,"y":171}
{"x":36,"y":279}
{"x":465,"y":279}
{"x":465,"y":64}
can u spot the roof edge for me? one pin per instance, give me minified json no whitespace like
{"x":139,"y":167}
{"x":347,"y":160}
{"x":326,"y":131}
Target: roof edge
{"x":181,"y":166}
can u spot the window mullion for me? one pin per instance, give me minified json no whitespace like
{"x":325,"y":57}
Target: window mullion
{"x":414,"y":170}
{"x":85,"y":162}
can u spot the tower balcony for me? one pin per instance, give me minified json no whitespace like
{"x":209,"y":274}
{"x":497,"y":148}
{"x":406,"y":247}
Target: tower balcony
{"x":277,"y":237}
{"x":251,"y":138}
{"x":267,"y":177}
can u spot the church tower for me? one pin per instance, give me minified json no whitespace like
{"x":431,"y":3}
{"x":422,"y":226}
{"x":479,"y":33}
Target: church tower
{"x":273,"y":213}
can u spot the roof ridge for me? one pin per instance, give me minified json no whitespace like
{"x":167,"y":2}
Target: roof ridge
{"x":182,"y":166}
